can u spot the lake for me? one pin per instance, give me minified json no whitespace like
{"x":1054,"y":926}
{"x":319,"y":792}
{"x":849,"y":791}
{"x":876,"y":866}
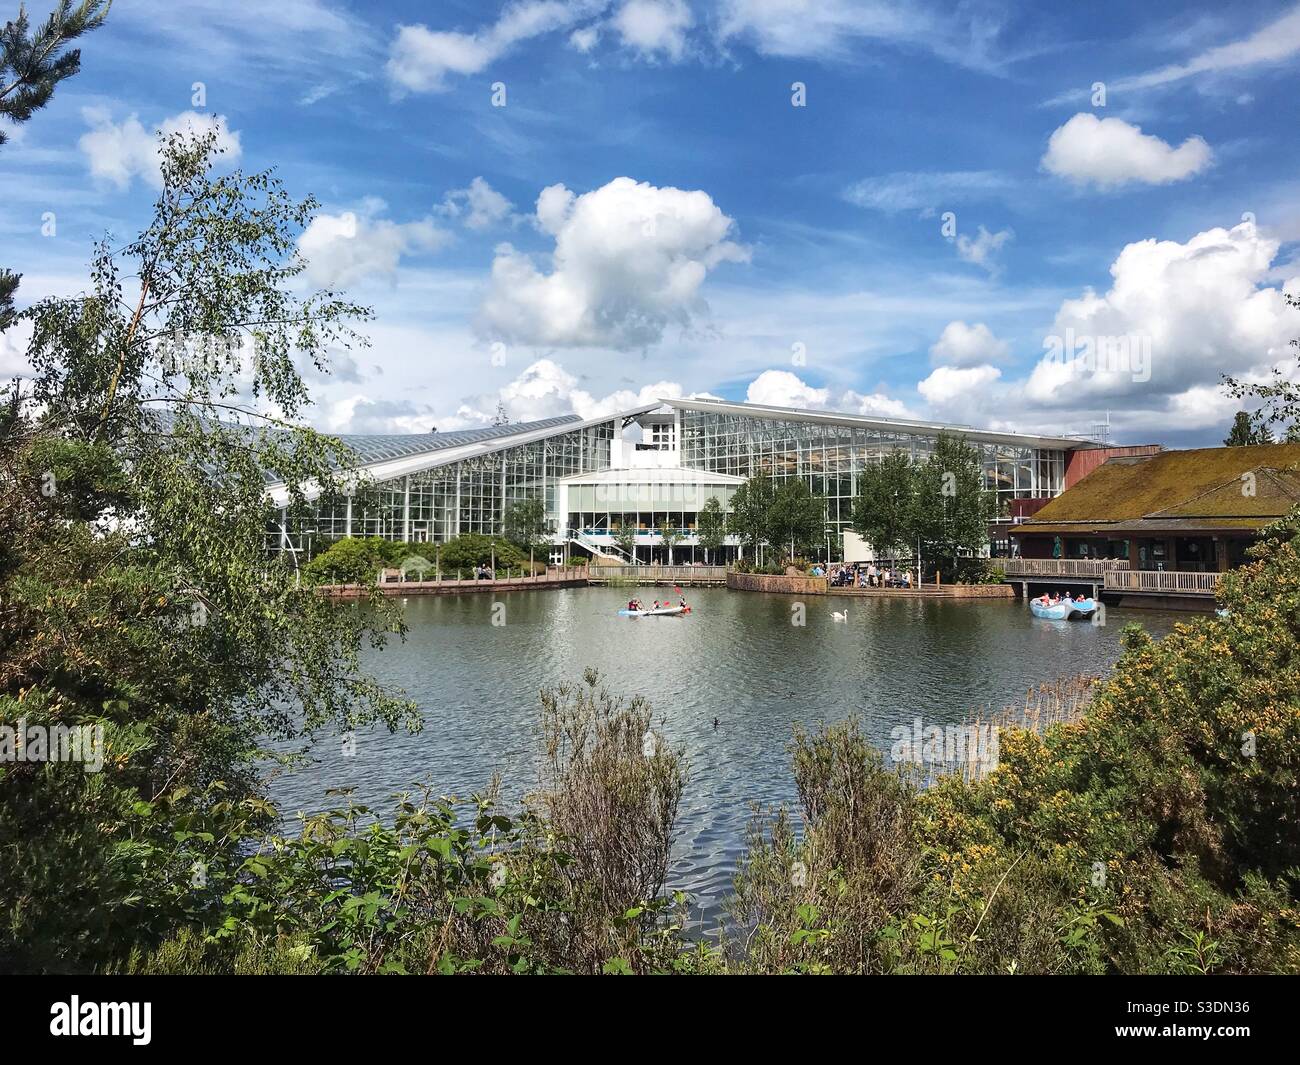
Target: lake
{"x":736,"y":658}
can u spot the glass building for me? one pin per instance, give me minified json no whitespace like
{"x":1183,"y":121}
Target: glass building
{"x":639,"y":471}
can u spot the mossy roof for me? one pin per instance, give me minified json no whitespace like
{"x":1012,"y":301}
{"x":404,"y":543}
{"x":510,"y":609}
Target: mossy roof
{"x":1181,"y":488}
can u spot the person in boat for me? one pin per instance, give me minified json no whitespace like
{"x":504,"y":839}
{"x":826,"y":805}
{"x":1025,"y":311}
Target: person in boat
{"x":631,"y":604}
{"x":682,"y":602}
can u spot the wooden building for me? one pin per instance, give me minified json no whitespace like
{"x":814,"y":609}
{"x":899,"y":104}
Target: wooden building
{"x":1157,"y":529}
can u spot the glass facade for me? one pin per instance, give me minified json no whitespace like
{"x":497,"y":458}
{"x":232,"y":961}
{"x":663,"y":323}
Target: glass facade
{"x":471,"y":495}
{"x":829,"y":457}
{"x":601,"y":509}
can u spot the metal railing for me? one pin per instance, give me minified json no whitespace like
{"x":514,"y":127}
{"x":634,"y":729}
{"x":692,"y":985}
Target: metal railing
{"x":1162,"y":582}
{"x":1059,"y":567}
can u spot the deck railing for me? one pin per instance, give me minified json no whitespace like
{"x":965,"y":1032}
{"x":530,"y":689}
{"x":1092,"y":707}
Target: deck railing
{"x":1162,"y":582}
{"x":504,"y":577}
{"x":658,"y":574}
{"x":1059,"y":567}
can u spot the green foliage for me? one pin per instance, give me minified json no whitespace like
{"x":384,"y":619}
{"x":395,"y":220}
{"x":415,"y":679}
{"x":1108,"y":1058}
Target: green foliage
{"x":751,"y":509}
{"x":669,"y":535}
{"x":711,"y":526}
{"x":468,"y":550}
{"x":1246,"y":432}
{"x":525,"y":524}
{"x":952,"y":510}
{"x":625,"y":538}
{"x":349,"y":561}
{"x":764,"y":513}
{"x":1156,"y":835}
{"x":797,"y":518}
{"x":574,"y":883}
{"x":884,"y":510}
{"x":1277,"y":401}
{"x":353,"y":560}
{"x":33,"y":64}
{"x":136,"y":590}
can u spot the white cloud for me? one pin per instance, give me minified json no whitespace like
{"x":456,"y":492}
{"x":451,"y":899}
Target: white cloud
{"x":235,"y":36}
{"x":917,"y":191}
{"x":119,"y":152}
{"x":1109,"y":152}
{"x":13,"y":350}
{"x":781,"y":388}
{"x":832,"y":29}
{"x":421,"y":59}
{"x":966,"y":345}
{"x":546,"y":390}
{"x":343,"y":249}
{"x":479,"y":205}
{"x":364,"y":414}
{"x":1275,"y":43}
{"x":950,"y":387}
{"x":1189,"y":311}
{"x":629,"y":260}
{"x":654,"y":26}
{"x":584,"y":40}
{"x":983,"y":247}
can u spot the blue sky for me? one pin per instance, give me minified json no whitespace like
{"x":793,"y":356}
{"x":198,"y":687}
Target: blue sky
{"x":638,"y":208}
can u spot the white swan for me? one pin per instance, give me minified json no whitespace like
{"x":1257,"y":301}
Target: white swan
{"x":837,"y":616}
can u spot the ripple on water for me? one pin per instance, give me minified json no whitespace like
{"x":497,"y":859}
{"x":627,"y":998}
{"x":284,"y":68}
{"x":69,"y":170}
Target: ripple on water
{"x":738,"y":658}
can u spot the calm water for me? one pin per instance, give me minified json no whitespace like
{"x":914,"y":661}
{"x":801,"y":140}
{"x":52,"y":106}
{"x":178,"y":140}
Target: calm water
{"x":736,"y":658}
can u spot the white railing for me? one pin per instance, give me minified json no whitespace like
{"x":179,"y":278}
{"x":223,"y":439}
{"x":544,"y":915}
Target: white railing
{"x":609,"y":550}
{"x":1059,"y":567}
{"x":1162,"y":582}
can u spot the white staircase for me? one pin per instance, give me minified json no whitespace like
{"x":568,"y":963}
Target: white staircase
{"x":603,"y":552}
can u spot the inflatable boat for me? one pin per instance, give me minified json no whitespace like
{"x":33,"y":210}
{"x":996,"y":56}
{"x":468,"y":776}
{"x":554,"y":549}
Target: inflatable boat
{"x":1063,"y":609}
{"x":654,"y":612}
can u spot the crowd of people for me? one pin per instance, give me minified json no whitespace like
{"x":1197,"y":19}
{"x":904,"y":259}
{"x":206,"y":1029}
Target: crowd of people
{"x":858,"y":575}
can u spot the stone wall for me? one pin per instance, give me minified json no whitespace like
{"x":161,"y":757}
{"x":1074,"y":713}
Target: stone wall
{"x":762,"y":582}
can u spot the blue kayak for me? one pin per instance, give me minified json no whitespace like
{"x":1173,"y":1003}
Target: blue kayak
{"x":1064,"y":609}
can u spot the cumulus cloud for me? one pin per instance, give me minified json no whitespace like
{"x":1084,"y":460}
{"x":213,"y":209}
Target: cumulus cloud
{"x":545,"y":389}
{"x":1109,"y":153}
{"x":342,"y":249}
{"x":1175,"y":317}
{"x":950,"y":387}
{"x":982,"y":248}
{"x":967,"y":345}
{"x":479,"y":206}
{"x":119,"y":152}
{"x":781,"y":388}
{"x":654,"y":27}
{"x":629,"y":260}
{"x":364,"y":414}
{"x":421,"y":59}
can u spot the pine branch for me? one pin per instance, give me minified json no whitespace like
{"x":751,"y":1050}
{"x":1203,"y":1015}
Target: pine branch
{"x":31,"y":67}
